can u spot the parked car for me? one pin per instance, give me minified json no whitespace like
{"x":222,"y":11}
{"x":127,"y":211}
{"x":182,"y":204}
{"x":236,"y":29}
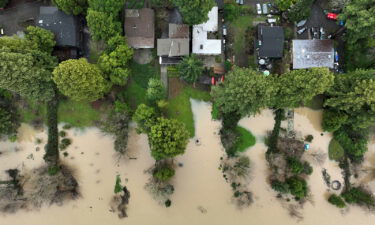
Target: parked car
{"x":265,"y":9}
{"x":332,"y":16}
{"x":336,"y":56}
{"x":300,"y":31}
{"x":259,"y":9}
{"x":1,"y":30}
{"x":224,"y":30}
{"x":301,"y":23}
{"x":272,"y":9}
{"x":315,"y":32}
{"x":271,"y":20}
{"x":322,"y":34}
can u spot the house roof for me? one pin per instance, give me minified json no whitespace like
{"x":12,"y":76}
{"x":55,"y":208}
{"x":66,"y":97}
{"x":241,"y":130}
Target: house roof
{"x":270,"y":41}
{"x":173,"y":47}
{"x":178,"y":31}
{"x":140,"y":27}
{"x":201,"y":43}
{"x":312,"y":53}
{"x":62,"y":25}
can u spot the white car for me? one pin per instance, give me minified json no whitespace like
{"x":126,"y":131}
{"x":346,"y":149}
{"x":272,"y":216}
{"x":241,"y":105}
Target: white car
{"x":259,"y":9}
{"x":265,"y":9}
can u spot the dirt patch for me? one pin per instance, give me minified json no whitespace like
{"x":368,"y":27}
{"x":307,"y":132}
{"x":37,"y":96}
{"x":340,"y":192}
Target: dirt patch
{"x":175,"y":86}
{"x":142,"y":56}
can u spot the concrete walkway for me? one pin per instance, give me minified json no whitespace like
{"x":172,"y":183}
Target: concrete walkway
{"x":164,"y":76}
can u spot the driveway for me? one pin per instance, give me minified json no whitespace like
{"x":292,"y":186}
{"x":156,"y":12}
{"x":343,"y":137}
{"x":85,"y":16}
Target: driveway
{"x":12,"y":19}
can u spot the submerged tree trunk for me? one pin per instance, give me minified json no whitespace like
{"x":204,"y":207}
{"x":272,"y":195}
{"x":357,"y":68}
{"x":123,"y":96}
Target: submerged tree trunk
{"x":52,"y":148}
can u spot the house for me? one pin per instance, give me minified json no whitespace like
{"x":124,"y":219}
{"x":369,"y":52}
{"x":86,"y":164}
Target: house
{"x":140,"y":27}
{"x":312,"y":53}
{"x":270,"y":41}
{"x":65,"y":27}
{"x":177,"y":44}
{"x":202,"y":43}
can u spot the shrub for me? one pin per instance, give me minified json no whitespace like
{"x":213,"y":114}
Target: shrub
{"x":337,"y":201}
{"x":156,"y":90}
{"x":279,"y":186}
{"x":332,"y":120}
{"x":359,"y":196}
{"x":354,"y":142}
{"x":309,"y":138}
{"x":67,"y":126}
{"x":301,"y":10}
{"x":65,"y":142}
{"x":288,"y":33}
{"x":118,"y":187}
{"x":295,"y":166}
{"x":53,"y":170}
{"x":163,"y":173}
{"x":3,"y":3}
{"x":335,"y":151}
{"x":145,"y":117}
{"x":298,"y":187}
{"x":307,"y":168}
{"x":62,"y":133}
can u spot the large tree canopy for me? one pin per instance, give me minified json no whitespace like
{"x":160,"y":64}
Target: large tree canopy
{"x":168,"y":138}
{"x":42,"y":38}
{"x":80,"y":80}
{"x":102,"y":25}
{"x":284,"y":5}
{"x":74,"y":7}
{"x":244,"y":91}
{"x":26,"y":70}
{"x":300,"y":86}
{"x":354,"y":94}
{"x":108,"y":6}
{"x":194,"y":11}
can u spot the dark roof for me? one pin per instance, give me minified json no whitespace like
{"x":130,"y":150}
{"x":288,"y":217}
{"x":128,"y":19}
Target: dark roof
{"x":312,"y":53}
{"x":270,"y":41}
{"x":65,"y":27}
{"x":140,"y":27}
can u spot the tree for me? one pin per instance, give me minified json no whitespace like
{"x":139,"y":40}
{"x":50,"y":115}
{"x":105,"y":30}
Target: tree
{"x":108,"y":6}
{"x":300,"y":86}
{"x":80,"y":80}
{"x":300,"y":10}
{"x":337,"y":201}
{"x":74,"y":7}
{"x":244,"y":91}
{"x":297,"y":187}
{"x":102,"y":25}
{"x":115,"y":64}
{"x":156,"y":90}
{"x":190,"y":68}
{"x":42,"y":38}
{"x":3,"y":3}
{"x":194,"y":11}
{"x":168,"y":138}
{"x":145,"y":117}
{"x":25,"y":69}
{"x":9,"y":118}
{"x":333,"y":120}
{"x":163,"y":172}
{"x":284,"y":5}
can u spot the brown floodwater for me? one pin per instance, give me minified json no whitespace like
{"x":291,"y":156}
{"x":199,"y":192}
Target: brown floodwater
{"x":201,"y":194}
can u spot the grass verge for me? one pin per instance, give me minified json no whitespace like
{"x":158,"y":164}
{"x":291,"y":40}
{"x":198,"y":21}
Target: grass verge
{"x":180,"y":107}
{"x":335,"y":150}
{"x":246,"y":140}
{"x":77,"y":114}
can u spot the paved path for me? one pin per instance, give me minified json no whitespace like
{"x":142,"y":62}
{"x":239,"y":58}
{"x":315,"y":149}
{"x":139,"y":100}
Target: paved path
{"x":164,"y":76}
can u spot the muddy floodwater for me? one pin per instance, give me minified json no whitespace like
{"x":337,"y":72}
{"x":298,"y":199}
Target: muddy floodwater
{"x":202,"y":197}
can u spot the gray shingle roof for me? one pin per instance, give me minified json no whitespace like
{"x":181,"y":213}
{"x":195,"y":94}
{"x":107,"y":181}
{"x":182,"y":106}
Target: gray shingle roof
{"x":62,"y":25}
{"x":312,"y":53}
{"x":140,"y":27}
{"x":270,"y":41}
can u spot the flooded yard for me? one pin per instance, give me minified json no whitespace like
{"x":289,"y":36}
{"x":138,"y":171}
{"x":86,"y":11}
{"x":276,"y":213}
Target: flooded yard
{"x":201,"y":194}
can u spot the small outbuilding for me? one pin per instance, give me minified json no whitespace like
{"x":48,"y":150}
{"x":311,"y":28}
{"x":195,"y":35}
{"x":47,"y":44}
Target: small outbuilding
{"x":313,"y":53}
{"x":140,"y":27}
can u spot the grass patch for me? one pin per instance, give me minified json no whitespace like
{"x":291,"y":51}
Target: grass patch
{"x":246,"y":140}
{"x":215,"y":112}
{"x":78,"y":114}
{"x":135,"y":92}
{"x":316,"y":102}
{"x":32,"y":112}
{"x":335,"y":150}
{"x":240,"y":26}
{"x":180,"y":107}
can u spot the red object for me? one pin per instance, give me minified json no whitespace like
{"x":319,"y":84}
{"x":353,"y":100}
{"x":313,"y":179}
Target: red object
{"x":213,"y":81}
{"x":222,"y":79}
{"x":332,"y":16}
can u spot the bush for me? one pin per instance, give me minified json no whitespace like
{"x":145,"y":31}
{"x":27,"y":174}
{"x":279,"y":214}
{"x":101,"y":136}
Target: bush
{"x":118,"y":187}
{"x":163,"y":173}
{"x":156,"y":90}
{"x":288,"y":33}
{"x":298,"y":187}
{"x":335,"y":151}
{"x":145,"y":117}
{"x":309,"y":138}
{"x":301,"y":10}
{"x":53,"y":170}
{"x":65,"y":142}
{"x":279,"y":186}
{"x":359,"y":196}
{"x":273,"y":139}
{"x":295,"y":165}
{"x":354,"y":142}
{"x":3,"y":3}
{"x":307,"y":168}
{"x":62,"y":133}
{"x":337,"y":201}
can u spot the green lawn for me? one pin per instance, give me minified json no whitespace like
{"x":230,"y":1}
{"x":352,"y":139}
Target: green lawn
{"x":247,"y":139}
{"x":77,"y":114}
{"x":335,"y":150}
{"x":33,"y":111}
{"x":180,"y":107}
